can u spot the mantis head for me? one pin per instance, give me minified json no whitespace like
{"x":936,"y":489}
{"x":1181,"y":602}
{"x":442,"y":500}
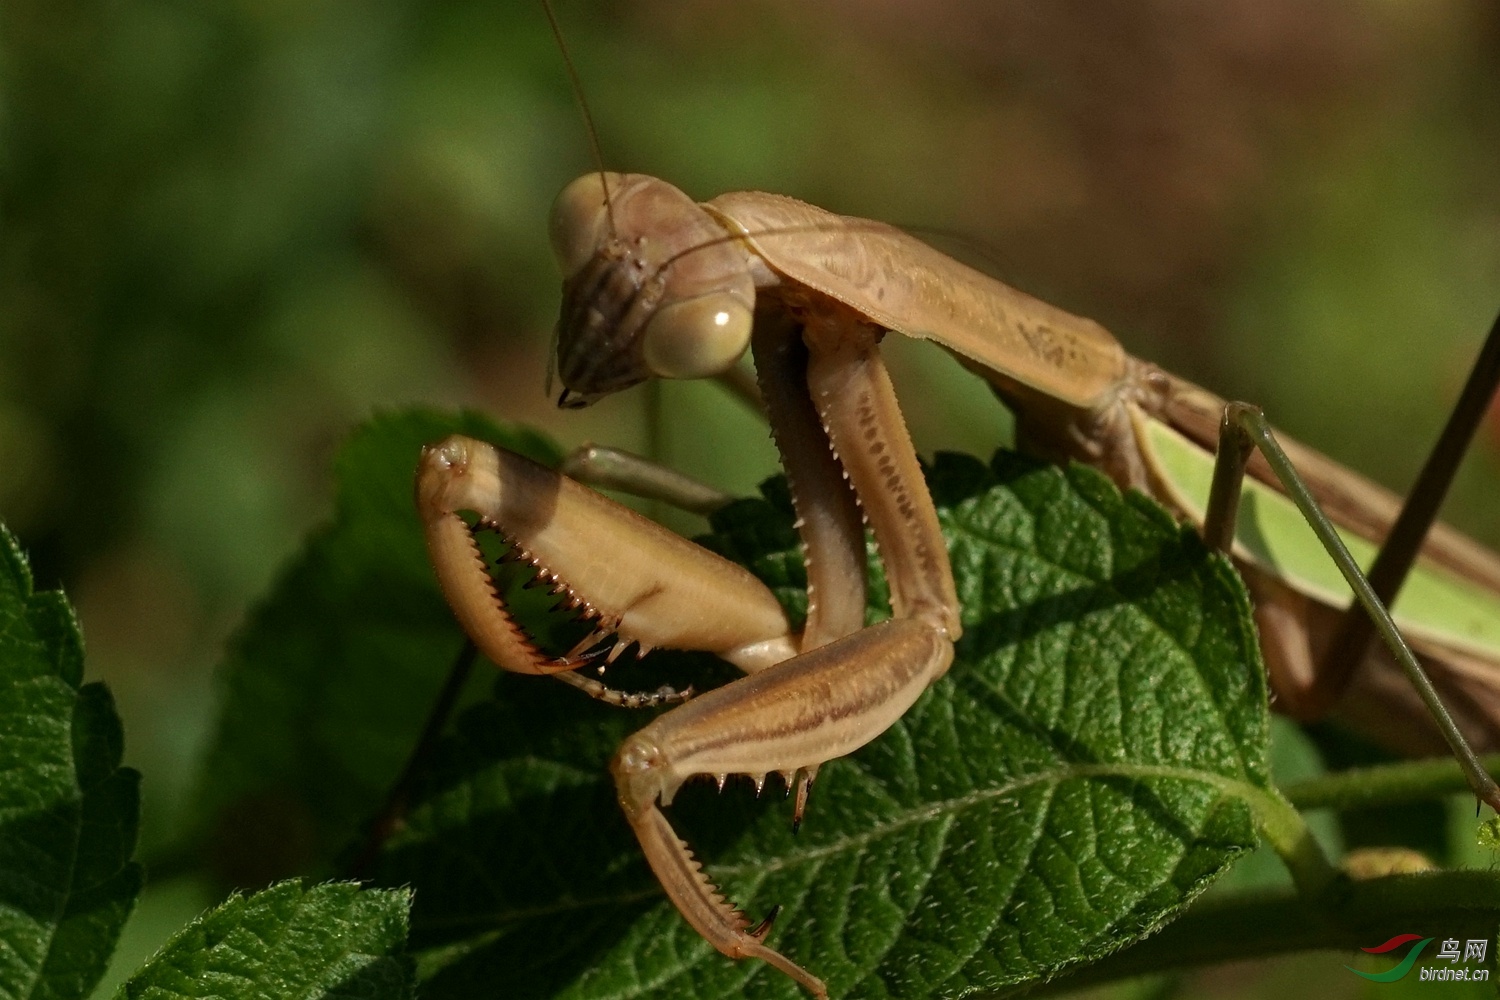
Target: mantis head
{"x":652,"y":287}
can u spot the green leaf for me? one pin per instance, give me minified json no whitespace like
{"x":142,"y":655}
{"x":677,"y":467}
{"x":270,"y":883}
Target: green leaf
{"x":327,"y":683}
{"x":68,"y":810}
{"x":1086,"y":768}
{"x":328,"y":941}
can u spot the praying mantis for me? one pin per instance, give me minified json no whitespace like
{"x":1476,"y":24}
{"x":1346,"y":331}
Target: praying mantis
{"x":656,"y":285}
{"x":659,"y":286}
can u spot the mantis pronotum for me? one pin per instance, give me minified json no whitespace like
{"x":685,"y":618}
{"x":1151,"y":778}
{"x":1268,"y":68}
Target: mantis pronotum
{"x":657,"y":286}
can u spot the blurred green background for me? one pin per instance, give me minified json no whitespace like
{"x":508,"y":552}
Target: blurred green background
{"x":231,"y":229}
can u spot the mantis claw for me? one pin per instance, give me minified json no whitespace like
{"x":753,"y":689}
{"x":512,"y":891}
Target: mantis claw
{"x":762,"y":929}
{"x":804,"y":788}
{"x":664,"y":695}
{"x":642,"y":574}
{"x":478,"y":605}
{"x":701,"y":902}
{"x":583,"y":650}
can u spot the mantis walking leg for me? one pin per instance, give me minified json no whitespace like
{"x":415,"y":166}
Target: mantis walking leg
{"x":1399,"y":552}
{"x":1244,"y":427}
{"x":608,"y":468}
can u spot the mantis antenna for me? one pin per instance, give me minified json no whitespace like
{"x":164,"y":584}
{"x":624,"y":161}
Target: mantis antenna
{"x":583,"y":106}
{"x":594,"y":148}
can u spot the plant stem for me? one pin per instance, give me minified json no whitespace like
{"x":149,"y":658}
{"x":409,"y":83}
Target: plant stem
{"x":1447,"y":904}
{"x":1384,"y":784}
{"x":1293,"y":841}
{"x":393,"y":812}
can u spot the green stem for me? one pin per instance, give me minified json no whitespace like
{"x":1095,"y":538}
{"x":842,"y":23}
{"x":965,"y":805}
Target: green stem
{"x":1384,"y":784}
{"x":1446,"y":904}
{"x":1293,"y":841}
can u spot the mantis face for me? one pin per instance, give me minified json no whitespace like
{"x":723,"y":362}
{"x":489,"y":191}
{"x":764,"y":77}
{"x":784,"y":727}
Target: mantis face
{"x":651,"y":287}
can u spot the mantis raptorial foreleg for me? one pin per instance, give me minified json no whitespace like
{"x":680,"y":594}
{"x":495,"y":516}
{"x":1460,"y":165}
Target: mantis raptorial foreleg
{"x":690,"y":598}
{"x":846,"y":685}
{"x":848,"y":688}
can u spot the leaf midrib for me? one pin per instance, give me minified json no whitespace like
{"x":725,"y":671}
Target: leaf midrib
{"x":1232,"y":787}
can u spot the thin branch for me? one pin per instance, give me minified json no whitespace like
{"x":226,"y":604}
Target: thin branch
{"x":393,"y":812}
{"x":1354,"y":915}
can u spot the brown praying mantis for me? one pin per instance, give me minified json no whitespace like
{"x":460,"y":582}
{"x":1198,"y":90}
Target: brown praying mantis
{"x":656,"y":285}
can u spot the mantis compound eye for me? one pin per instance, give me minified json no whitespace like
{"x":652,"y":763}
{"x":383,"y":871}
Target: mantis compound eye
{"x":698,"y":337}
{"x":579,"y":222}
